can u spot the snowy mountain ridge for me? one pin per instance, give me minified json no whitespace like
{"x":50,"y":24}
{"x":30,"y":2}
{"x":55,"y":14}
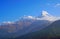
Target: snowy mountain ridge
{"x":44,"y":16}
{"x":26,"y":25}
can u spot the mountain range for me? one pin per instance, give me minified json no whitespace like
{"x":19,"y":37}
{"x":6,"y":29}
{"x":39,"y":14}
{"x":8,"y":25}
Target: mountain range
{"x":28,"y":25}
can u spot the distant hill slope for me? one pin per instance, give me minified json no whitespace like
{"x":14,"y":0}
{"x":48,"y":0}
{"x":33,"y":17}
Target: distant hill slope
{"x":50,"y":32}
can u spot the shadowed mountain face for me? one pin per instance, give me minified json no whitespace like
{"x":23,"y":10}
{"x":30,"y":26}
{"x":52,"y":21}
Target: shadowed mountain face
{"x":50,"y":32}
{"x":22,"y":27}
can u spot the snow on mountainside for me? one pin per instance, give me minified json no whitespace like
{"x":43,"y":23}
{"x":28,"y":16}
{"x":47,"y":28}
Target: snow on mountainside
{"x":25,"y":25}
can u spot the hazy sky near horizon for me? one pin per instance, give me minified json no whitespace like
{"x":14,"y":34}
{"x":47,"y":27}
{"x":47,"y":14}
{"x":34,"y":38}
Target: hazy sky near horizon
{"x":11,"y":10}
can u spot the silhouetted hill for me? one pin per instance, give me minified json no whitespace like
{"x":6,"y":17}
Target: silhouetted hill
{"x":50,"y":32}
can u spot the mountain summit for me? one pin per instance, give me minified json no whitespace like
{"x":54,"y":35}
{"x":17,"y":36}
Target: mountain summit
{"x":45,"y":13}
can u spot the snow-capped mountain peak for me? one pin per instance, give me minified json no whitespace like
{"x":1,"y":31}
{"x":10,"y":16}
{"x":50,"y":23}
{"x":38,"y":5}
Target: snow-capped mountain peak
{"x":46,"y":16}
{"x":45,"y":13}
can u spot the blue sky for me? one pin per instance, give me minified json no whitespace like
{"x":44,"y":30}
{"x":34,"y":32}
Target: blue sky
{"x":11,"y":10}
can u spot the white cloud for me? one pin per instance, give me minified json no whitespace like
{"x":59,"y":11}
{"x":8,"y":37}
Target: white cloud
{"x":28,"y":17}
{"x":8,"y":22}
{"x":57,"y":5}
{"x":54,"y":5}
